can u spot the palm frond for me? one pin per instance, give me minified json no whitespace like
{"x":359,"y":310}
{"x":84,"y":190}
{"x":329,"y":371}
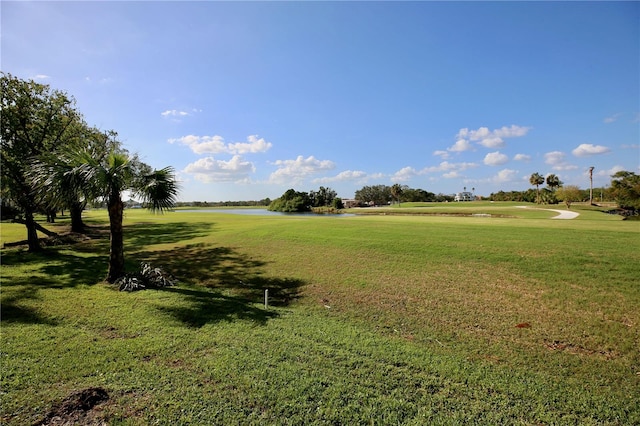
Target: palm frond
{"x":158,"y":189}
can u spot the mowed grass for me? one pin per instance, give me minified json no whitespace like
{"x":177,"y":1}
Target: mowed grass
{"x":378,"y":319}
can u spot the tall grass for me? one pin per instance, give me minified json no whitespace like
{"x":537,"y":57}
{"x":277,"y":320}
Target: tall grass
{"x":378,"y":319}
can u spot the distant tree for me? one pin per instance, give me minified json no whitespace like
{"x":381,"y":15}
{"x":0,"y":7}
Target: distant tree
{"x":396,"y":192}
{"x":378,"y":194}
{"x":322,"y":197}
{"x":569,"y":194}
{"x":35,"y":120}
{"x":553,"y":182}
{"x":536,"y":180}
{"x":291,"y":201}
{"x":625,"y":189}
{"x":337,"y":203}
{"x":548,"y":196}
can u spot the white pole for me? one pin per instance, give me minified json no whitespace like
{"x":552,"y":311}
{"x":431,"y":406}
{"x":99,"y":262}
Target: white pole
{"x":266,"y":298}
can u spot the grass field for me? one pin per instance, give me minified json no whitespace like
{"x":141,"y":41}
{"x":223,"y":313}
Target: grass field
{"x":376,"y":319}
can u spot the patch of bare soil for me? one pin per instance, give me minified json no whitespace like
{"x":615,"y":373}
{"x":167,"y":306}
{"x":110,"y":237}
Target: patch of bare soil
{"x":557,"y":345}
{"x":77,"y":409}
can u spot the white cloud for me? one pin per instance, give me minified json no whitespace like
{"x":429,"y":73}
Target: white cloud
{"x":460,"y":146}
{"x":451,"y":175}
{"x":216,"y":145}
{"x":587,"y":149}
{"x":174,"y":113}
{"x":495,"y":159}
{"x":290,"y":171}
{"x":209,"y":169}
{"x":41,"y":77}
{"x":492,"y":142}
{"x":442,"y":154}
{"x":611,"y":171}
{"x":404,"y":174}
{"x":556,"y":160}
{"x":511,"y":132}
{"x":504,"y":175}
{"x":446,"y":166}
{"x":346,"y":176}
{"x":522,"y":157}
{"x":488,"y":138}
{"x":612,"y":118}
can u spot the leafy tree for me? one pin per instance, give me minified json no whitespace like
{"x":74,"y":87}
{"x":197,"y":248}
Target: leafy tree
{"x":569,"y":194}
{"x":337,"y":203}
{"x":625,"y":188}
{"x":553,"y":182}
{"x":108,"y":176}
{"x":378,"y":194}
{"x":35,"y":120}
{"x":536,"y":180}
{"x":396,"y":192}
{"x":322,"y":197}
{"x":291,"y":201}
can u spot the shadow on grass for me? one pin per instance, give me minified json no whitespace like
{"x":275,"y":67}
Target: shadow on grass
{"x":220,"y":283}
{"x":205,"y":306}
{"x":148,"y":233}
{"x":221,"y":270}
{"x":13,"y":308}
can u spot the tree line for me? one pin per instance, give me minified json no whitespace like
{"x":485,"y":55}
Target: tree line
{"x":51,"y":159}
{"x":624,"y":190}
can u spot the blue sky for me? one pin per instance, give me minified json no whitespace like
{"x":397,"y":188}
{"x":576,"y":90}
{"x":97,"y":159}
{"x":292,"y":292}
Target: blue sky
{"x":248,"y":99}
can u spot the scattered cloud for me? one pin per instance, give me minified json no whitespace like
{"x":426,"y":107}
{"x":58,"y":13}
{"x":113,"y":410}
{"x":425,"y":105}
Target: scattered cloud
{"x":405,"y":174}
{"x":522,"y":157}
{"x":612,"y":171}
{"x":173,"y":113}
{"x":612,"y":118}
{"x":495,"y":159}
{"x":587,"y":150}
{"x":461,"y":145}
{"x":216,"y":145}
{"x":446,"y":166}
{"x":630,"y":146}
{"x":504,"y":175}
{"x":442,"y":154}
{"x":346,"y":176}
{"x":556,"y":160}
{"x":41,"y":77}
{"x":208,"y":169}
{"x":293,"y":171}
{"x":490,"y":138}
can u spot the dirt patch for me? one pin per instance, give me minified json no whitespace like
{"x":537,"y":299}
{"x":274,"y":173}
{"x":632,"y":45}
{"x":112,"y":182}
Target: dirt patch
{"x":76,"y":409}
{"x":573,"y":349}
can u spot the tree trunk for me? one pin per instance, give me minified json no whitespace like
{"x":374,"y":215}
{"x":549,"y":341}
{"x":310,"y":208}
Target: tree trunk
{"x":32,"y":233}
{"x":75,"y":211}
{"x":116,"y":249}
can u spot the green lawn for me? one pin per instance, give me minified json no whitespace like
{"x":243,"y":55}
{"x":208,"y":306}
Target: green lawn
{"x":381,"y":319}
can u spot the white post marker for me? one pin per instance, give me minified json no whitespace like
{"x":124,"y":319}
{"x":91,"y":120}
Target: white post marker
{"x":266,"y":298}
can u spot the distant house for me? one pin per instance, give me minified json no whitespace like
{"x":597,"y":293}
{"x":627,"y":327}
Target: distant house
{"x":464,"y":196}
{"x":350,"y":203}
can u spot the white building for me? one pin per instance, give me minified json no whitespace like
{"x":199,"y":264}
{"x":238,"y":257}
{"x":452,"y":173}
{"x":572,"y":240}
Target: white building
{"x":464,"y":196}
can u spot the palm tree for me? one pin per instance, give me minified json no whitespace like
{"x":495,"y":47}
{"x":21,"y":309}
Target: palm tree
{"x":396,"y":192}
{"x":536,"y":180}
{"x":108,"y":177}
{"x":553,"y":182}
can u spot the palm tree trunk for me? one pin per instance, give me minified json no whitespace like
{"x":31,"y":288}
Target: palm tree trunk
{"x":75,"y":211}
{"x":32,"y":233}
{"x":116,"y":249}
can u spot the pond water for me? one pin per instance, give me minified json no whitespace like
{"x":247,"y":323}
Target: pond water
{"x":260,"y":212}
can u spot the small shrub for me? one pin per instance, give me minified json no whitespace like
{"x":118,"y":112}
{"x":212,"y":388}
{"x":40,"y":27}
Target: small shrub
{"x":148,"y":277}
